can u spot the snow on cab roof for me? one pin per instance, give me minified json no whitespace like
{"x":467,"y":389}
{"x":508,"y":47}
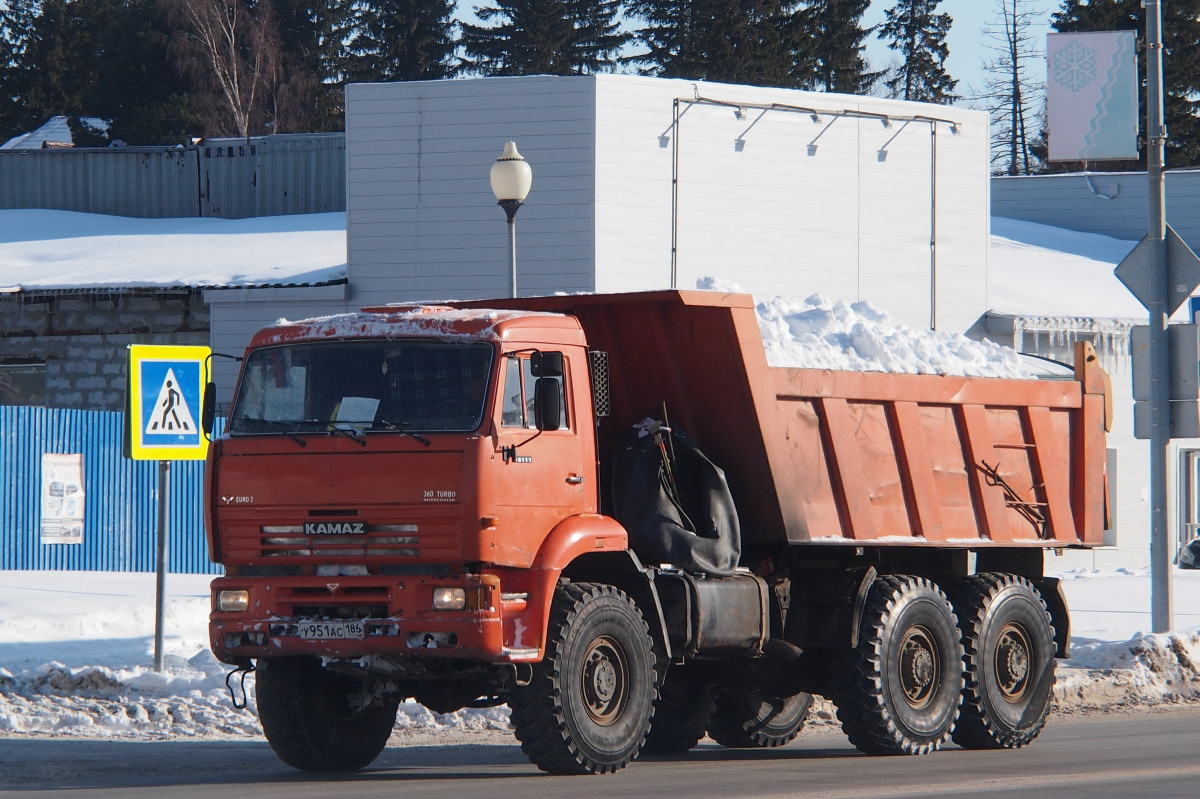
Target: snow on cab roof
{"x":399,"y":321}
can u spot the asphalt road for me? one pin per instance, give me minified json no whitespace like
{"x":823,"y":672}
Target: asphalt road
{"x":1138,"y":754}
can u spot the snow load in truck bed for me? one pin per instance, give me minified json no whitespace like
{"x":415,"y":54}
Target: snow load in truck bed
{"x":822,"y":333}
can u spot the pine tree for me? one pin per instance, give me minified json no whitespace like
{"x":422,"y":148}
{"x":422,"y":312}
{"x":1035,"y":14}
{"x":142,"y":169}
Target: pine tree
{"x":753,"y":41}
{"x":106,"y":59}
{"x":835,"y":44}
{"x":17,"y":28}
{"x":313,"y":58}
{"x":1181,"y":67}
{"x":914,"y":29}
{"x":403,"y":40}
{"x":544,"y":37}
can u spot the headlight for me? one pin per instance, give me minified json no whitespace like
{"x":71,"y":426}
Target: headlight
{"x":233,"y":601}
{"x":449,"y":599}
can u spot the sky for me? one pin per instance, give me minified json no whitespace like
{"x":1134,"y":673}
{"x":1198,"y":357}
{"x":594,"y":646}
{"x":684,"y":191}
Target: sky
{"x":967,"y":42}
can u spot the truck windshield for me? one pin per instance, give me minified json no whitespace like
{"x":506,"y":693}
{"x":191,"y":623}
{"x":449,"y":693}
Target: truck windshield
{"x":363,"y":386}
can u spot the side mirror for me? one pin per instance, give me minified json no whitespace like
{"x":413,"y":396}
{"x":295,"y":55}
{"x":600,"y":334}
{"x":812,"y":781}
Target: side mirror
{"x":547,"y":402}
{"x":208,"y":412}
{"x":546,"y":364}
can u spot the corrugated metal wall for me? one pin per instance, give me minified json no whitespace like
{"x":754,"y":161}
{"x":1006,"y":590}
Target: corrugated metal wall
{"x":146,"y":182}
{"x":120,"y":511}
{"x":273,"y":176}
{"x":226,"y":178}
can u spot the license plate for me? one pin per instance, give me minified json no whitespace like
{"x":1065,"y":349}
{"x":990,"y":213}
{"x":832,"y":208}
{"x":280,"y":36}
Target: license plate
{"x":331,"y":630}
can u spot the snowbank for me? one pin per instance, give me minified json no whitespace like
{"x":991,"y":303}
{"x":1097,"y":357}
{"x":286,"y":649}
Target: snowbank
{"x":820,"y":333}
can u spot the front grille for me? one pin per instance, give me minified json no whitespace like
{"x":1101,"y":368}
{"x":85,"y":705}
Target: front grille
{"x":425,"y":533}
{"x":375,"y":540}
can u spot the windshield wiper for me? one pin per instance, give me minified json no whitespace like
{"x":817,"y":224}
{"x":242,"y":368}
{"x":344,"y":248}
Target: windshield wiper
{"x":283,"y":427}
{"x":346,"y":429}
{"x":399,"y":427}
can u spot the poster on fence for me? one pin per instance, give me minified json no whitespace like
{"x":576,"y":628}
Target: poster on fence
{"x":62,"y":498}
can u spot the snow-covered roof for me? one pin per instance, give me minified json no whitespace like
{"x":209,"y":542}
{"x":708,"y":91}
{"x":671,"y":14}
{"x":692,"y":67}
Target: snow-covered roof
{"x":1048,"y":278}
{"x":48,"y":251}
{"x":53,"y":132}
{"x":1042,"y":277}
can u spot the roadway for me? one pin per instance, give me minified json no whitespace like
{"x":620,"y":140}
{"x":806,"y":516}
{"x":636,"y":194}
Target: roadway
{"x":1133,"y":754}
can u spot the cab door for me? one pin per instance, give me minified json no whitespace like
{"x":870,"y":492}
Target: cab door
{"x":542,"y":476}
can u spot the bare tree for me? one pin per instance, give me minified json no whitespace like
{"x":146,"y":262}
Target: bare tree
{"x":1010,"y":92}
{"x":230,"y":53}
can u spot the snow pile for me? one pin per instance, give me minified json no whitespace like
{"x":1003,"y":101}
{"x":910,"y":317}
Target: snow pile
{"x":1147,"y":669}
{"x":188,"y":699}
{"x":820,"y":333}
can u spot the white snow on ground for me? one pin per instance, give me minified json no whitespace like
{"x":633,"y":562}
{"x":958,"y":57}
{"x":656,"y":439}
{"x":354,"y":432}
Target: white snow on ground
{"x":76,"y":657}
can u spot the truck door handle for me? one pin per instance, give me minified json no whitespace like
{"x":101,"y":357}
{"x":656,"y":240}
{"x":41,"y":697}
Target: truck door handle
{"x":574,"y":480}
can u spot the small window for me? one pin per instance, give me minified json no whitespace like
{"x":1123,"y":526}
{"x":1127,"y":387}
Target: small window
{"x":23,"y":384}
{"x":517,"y":408}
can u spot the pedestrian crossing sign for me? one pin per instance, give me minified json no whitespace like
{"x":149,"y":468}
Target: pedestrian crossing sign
{"x":163,"y":402}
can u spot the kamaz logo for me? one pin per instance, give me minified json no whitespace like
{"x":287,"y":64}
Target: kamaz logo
{"x":335,"y":528}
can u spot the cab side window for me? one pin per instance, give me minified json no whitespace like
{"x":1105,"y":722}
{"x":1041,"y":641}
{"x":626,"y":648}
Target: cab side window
{"x":518,"y":408}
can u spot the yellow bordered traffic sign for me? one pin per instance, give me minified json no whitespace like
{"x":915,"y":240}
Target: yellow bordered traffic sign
{"x":163,"y":402}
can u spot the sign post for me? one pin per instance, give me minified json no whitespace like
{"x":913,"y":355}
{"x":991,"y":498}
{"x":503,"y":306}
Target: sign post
{"x":164,"y":397}
{"x":1161,"y":272}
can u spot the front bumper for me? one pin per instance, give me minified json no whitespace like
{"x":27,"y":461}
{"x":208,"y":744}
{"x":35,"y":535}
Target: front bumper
{"x":393,"y":616}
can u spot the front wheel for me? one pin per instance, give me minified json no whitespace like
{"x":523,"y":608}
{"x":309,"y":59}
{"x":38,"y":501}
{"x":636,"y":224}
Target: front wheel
{"x":317,"y":720}
{"x":1009,"y":643}
{"x":588,"y":707}
{"x":899,"y":690}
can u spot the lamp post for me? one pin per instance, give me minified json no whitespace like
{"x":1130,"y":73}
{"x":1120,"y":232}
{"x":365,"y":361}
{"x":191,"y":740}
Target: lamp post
{"x":511,"y":180}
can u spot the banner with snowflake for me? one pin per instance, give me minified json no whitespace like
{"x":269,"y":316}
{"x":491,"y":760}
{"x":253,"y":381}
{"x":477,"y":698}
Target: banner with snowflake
{"x":1092,"y":96}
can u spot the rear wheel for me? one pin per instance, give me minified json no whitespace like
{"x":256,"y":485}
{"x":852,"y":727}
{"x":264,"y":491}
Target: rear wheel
{"x":745,"y":718}
{"x":899,"y":690}
{"x":316,"y":720}
{"x":588,"y":707}
{"x":1009,"y":644}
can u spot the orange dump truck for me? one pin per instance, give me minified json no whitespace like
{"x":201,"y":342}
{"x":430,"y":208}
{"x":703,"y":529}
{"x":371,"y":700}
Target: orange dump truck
{"x":610,"y":513}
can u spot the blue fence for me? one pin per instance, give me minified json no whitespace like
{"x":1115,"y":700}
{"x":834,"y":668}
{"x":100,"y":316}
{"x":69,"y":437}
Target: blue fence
{"x":120,"y":497}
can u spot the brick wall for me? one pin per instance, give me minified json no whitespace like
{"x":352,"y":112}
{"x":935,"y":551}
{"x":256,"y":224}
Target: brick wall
{"x":82,"y":339}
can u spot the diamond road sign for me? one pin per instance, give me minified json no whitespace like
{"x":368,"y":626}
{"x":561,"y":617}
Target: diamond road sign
{"x":163,"y":402}
{"x":1136,"y":271}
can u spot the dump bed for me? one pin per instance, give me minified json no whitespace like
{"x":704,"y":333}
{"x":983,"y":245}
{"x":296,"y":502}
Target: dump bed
{"x":838,"y":457}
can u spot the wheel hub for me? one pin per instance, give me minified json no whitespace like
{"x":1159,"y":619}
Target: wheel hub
{"x":605,"y":680}
{"x":919,"y":667}
{"x":1012,"y":662}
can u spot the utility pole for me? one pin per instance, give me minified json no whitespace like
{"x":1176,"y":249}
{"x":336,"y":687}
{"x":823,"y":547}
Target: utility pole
{"x":1160,"y":314}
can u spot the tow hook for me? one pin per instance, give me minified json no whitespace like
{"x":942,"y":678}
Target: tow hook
{"x":243,"y":670}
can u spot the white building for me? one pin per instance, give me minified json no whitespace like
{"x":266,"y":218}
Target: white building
{"x":644,"y":183}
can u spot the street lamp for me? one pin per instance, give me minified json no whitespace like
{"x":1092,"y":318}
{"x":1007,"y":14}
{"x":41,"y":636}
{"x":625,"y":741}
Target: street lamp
{"x":511,"y":180}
